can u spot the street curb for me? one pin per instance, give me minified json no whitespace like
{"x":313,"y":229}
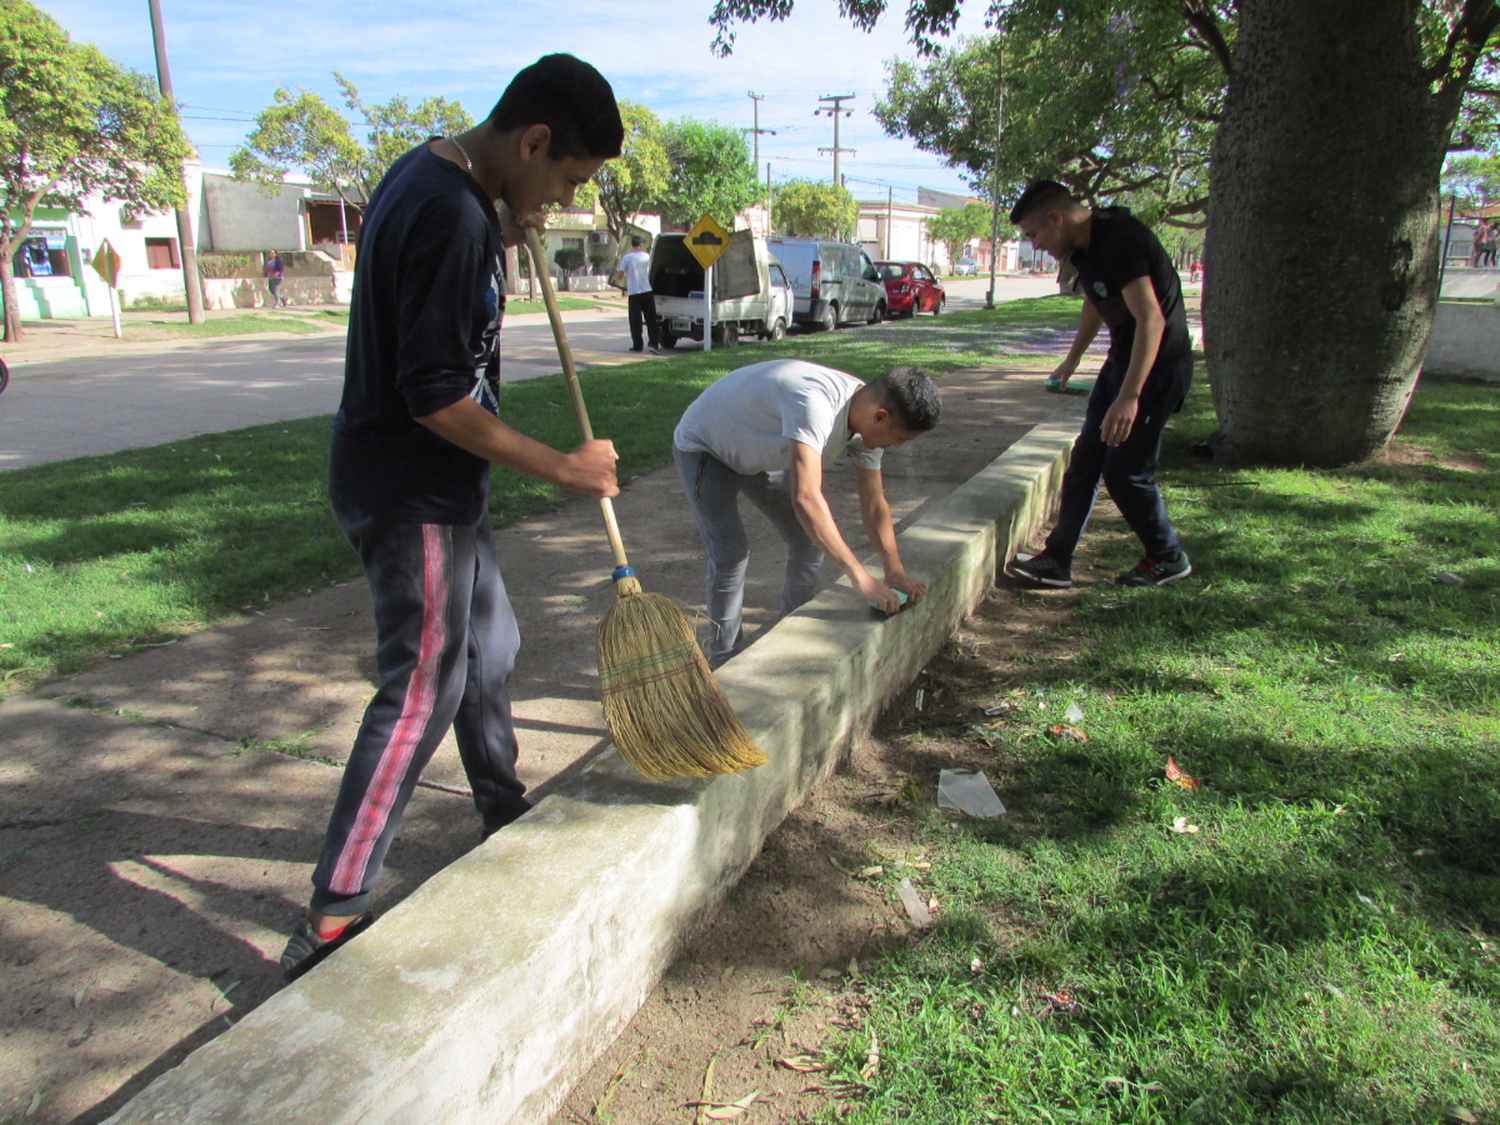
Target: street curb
{"x":489,"y":991}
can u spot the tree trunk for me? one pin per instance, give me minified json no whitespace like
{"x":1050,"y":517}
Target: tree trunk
{"x":1321,"y":253}
{"x":12,"y":308}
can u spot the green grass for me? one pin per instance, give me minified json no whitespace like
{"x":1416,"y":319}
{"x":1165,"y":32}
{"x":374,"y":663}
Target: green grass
{"x":101,"y":556}
{"x":565,"y":303}
{"x":1325,"y":950}
{"x":244,"y":324}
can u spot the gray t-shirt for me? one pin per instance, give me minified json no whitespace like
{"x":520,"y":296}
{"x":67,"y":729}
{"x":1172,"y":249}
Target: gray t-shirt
{"x":747,"y":417}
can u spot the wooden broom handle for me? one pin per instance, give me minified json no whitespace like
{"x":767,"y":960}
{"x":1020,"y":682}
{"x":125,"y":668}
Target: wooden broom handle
{"x":570,"y":375}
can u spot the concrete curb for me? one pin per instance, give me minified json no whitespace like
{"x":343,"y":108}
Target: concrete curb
{"x":486,"y":993}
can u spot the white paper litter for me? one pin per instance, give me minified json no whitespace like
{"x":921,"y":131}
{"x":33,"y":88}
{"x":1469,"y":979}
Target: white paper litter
{"x":916,"y":909}
{"x":968,"y":792}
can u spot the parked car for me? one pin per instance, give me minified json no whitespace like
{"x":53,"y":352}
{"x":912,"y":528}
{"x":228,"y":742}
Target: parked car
{"x":834,"y":282}
{"x":910,"y":288}
{"x":752,"y":295}
{"x":966,"y":267}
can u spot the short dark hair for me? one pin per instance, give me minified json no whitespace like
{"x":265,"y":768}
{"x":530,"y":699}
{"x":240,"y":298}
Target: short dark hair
{"x":1044,"y":195}
{"x":635,"y":240}
{"x":572,"y":99}
{"x":910,"y":393}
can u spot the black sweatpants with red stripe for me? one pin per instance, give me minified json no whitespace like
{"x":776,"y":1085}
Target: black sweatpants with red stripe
{"x":447,"y":642}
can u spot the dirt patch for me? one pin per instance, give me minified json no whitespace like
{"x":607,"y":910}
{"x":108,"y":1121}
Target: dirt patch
{"x":757,"y":996}
{"x":1406,"y":454}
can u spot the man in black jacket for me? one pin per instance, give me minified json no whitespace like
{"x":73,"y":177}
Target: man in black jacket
{"x":409,"y":468}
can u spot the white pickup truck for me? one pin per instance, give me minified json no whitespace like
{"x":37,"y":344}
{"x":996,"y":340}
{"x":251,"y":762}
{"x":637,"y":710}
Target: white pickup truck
{"x":752,"y":296}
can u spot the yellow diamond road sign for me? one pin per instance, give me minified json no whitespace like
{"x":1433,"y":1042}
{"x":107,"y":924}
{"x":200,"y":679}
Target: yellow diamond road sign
{"x":107,"y":263}
{"x":707,"y":240}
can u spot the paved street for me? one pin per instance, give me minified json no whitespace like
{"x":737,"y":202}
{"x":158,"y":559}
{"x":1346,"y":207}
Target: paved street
{"x":150,"y":393}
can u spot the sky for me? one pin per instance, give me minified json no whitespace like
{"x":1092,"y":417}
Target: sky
{"x":228,"y":56}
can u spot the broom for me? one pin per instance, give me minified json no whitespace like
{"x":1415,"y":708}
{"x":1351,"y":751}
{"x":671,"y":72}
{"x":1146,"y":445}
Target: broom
{"x":666,"y":712}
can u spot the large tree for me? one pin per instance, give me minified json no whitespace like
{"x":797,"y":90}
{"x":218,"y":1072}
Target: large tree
{"x":638,"y":175}
{"x":1321,"y":255}
{"x":710,"y":171}
{"x":74,"y":124}
{"x":806,"y":209}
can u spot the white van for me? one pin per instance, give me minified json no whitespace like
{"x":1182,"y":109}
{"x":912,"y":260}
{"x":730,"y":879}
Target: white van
{"x":752,"y":296}
{"x":835,"y":282}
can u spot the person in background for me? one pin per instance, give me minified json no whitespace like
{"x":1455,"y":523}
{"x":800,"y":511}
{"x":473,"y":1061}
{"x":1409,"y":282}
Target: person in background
{"x":642,"y":302}
{"x":274,"y":272}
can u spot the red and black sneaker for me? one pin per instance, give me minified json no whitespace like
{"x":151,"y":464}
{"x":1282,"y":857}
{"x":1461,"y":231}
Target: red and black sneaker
{"x":306,"y":948}
{"x":1152,"y":572}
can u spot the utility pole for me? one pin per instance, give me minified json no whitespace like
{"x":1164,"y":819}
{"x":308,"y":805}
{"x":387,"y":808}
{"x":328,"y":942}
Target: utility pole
{"x":188,"y":250}
{"x":756,"y":132}
{"x":835,"y":111}
{"x":989,"y":298}
{"x":770,"y":201}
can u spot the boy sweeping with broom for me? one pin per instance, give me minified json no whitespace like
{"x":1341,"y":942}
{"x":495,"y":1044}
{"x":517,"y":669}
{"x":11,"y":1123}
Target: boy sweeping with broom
{"x":766,"y":432}
{"x":413,"y":441}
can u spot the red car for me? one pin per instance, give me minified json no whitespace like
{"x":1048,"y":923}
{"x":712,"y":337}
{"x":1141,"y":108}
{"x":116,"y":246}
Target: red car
{"x":910,"y":288}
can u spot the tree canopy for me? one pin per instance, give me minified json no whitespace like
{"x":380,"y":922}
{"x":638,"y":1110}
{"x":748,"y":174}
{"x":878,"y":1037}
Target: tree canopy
{"x":956,"y":227}
{"x":640,"y":174}
{"x":301,"y":130}
{"x":814,"y":210}
{"x":74,"y":124}
{"x":710,"y":171}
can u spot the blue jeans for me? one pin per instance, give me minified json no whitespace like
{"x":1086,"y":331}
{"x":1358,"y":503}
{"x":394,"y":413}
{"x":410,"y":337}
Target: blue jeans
{"x":1128,"y":470}
{"x":713,"y":490}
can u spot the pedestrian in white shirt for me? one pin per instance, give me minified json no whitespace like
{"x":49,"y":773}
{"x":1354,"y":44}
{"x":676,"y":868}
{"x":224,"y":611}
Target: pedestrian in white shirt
{"x":637,"y":267}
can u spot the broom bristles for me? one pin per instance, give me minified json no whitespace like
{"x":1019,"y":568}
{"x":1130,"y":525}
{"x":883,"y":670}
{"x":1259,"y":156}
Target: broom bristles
{"x":665,"y":710}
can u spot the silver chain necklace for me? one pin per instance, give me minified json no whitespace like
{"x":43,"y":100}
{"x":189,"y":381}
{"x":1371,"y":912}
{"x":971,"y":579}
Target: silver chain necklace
{"x":468,"y":164}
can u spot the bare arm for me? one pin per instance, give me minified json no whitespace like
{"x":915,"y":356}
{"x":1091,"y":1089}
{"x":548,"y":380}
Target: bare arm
{"x":881,"y":530}
{"x":589,"y":469}
{"x":1089,"y":323}
{"x":1141,"y":300}
{"x":805,"y":480}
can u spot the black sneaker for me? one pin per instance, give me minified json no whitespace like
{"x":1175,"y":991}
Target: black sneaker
{"x":1150,"y":572}
{"x":304,"y":949}
{"x":1042,"y":570}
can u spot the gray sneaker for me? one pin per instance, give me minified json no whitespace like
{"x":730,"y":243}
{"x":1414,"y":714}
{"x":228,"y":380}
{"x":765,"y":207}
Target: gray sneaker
{"x":1042,"y":570}
{"x":1150,"y":572}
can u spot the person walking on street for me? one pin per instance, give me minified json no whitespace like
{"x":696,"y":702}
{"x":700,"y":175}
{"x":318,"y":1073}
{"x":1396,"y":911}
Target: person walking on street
{"x":409,"y":465}
{"x":642,"y":303}
{"x":768,"y":431}
{"x":274,"y":272}
{"x":1128,"y":283}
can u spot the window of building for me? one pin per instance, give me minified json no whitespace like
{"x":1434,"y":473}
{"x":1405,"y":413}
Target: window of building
{"x":161,"y":254}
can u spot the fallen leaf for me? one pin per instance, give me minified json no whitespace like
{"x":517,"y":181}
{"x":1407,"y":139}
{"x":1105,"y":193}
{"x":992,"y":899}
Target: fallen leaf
{"x":870,"y":872}
{"x":1424,"y":852}
{"x":1175,"y":774}
{"x":1460,"y":1114}
{"x":853,"y":968}
{"x":1067,"y":732}
{"x":1182,"y":827}
{"x":872,"y":1060}
{"x":78,"y":996}
{"x":802,"y":1064}
{"x":845,"y":870}
{"x":975,"y":965}
{"x":725,"y":1111}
